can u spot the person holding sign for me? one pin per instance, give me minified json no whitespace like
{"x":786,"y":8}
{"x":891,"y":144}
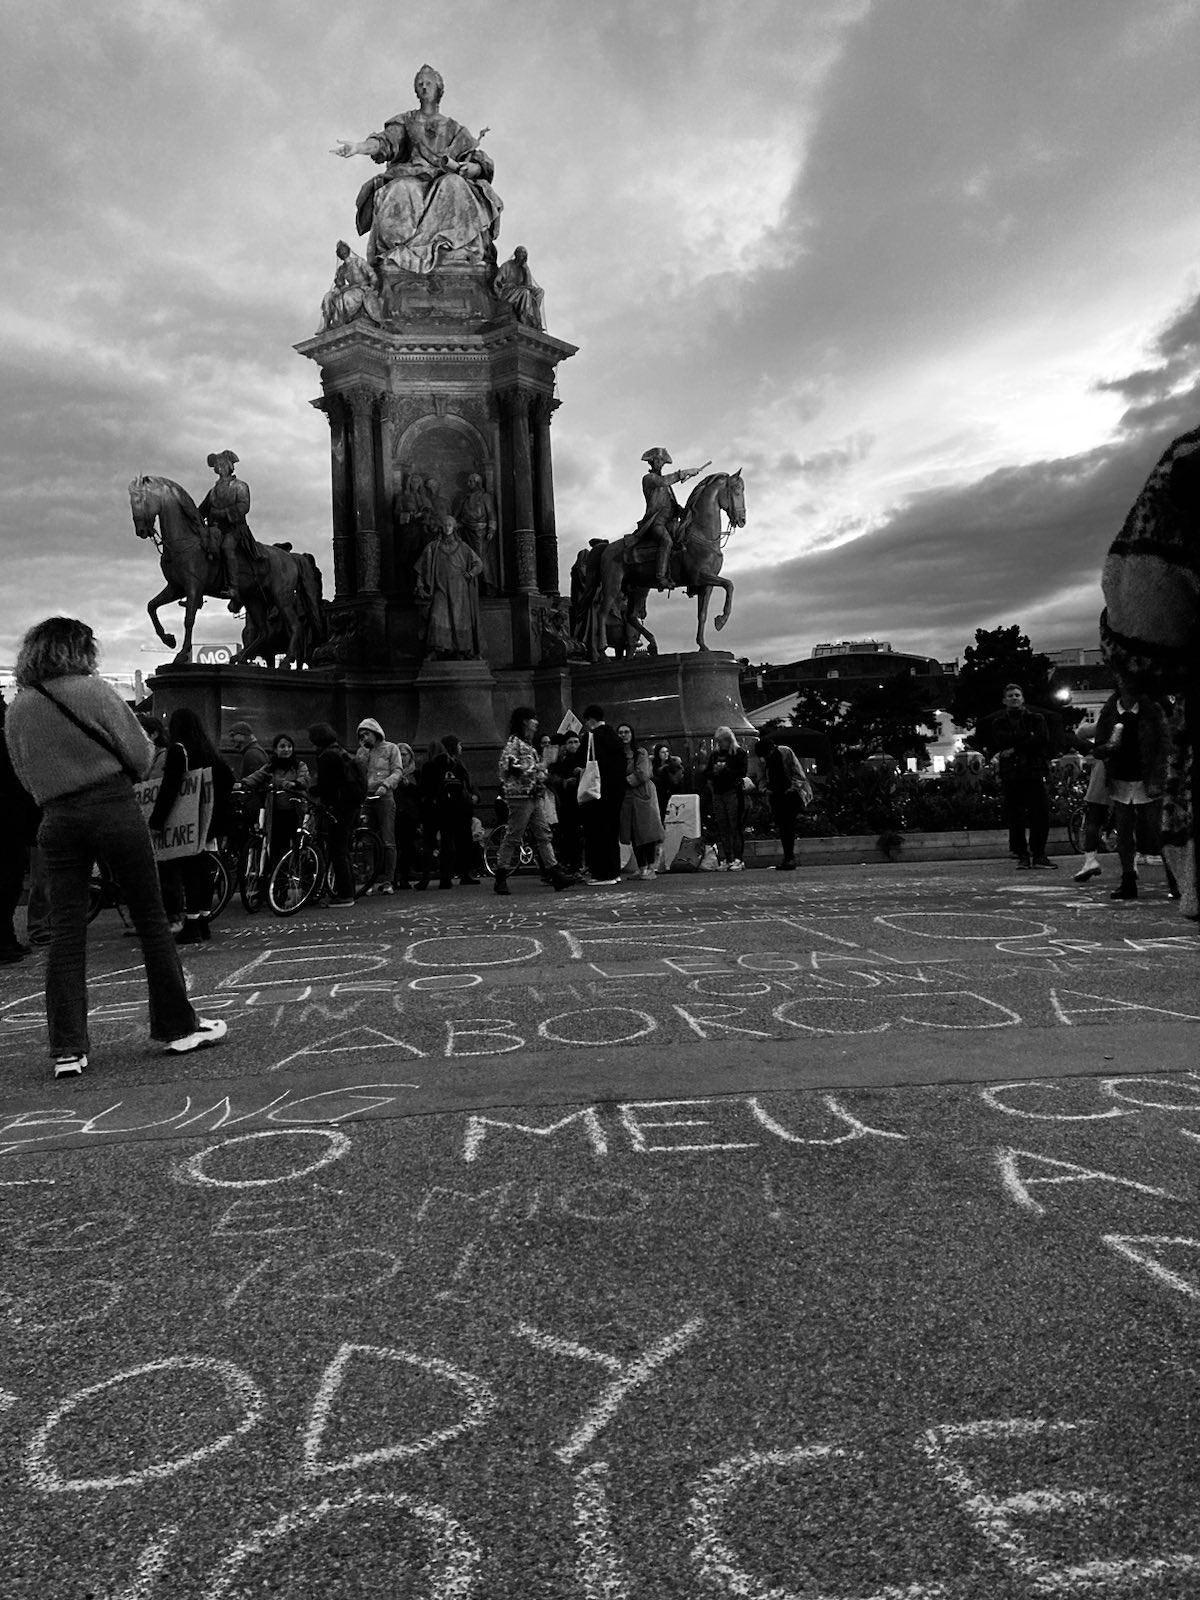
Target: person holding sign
{"x":189,"y":751}
{"x":77,"y":747}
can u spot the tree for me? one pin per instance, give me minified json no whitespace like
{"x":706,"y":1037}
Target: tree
{"x":999,"y":656}
{"x":821,"y":711}
{"x":892,"y":718}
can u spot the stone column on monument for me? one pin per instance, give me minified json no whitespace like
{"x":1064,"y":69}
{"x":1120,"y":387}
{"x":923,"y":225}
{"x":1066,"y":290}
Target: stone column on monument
{"x":343,"y":538}
{"x":362,"y":400}
{"x":547,"y":534}
{"x":516,"y":411}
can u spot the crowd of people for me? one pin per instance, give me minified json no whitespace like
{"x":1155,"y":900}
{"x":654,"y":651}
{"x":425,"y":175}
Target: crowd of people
{"x":592,"y":803}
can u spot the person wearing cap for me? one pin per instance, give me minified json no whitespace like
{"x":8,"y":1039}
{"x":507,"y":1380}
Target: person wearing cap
{"x":242,"y":737}
{"x":385,"y":766}
{"x":663,"y":511}
{"x":224,"y":509}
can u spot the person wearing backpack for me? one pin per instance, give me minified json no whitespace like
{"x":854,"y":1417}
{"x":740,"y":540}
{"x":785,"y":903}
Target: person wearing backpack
{"x":339,"y":788}
{"x":383,"y":770}
{"x":446,"y":787}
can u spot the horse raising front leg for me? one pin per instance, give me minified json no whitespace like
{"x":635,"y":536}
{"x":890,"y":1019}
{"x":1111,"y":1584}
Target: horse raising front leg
{"x":161,"y":599}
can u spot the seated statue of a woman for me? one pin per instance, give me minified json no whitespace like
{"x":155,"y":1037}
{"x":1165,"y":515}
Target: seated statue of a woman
{"x":434,"y":200}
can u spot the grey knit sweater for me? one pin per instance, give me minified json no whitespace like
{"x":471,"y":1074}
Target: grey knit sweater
{"x":52,"y":757}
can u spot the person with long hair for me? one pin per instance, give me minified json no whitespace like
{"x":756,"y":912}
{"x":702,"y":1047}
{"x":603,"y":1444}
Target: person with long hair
{"x":189,"y":747}
{"x":641,"y":821}
{"x":725,"y":773}
{"x":286,"y":777}
{"x":77,"y":747}
{"x":523,"y":780}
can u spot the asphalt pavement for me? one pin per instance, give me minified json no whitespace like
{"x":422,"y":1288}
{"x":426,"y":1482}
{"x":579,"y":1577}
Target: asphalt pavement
{"x":830,"y":1234}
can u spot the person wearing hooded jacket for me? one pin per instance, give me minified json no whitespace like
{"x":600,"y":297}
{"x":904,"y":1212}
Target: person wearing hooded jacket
{"x":385,"y":766}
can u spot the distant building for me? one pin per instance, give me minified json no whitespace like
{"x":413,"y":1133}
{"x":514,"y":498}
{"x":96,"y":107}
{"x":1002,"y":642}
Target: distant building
{"x":849,"y":665}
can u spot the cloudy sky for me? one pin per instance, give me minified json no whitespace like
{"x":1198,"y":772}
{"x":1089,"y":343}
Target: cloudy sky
{"x":925,"y":269}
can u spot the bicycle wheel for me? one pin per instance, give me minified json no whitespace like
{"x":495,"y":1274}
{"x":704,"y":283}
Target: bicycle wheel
{"x":296,"y":878}
{"x":366,"y":859}
{"x":222,"y":888}
{"x":1075,"y":821}
{"x":252,"y":876}
{"x":491,"y":848}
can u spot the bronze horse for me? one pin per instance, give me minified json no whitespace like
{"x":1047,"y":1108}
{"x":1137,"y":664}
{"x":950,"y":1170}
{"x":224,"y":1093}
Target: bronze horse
{"x":621,"y":573}
{"x":280,"y":589}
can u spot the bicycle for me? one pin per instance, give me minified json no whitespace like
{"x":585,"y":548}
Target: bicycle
{"x":104,"y":892}
{"x":303,"y":870}
{"x":1076,"y":823}
{"x":526,"y":857}
{"x":254,"y":863}
{"x":366,"y":851}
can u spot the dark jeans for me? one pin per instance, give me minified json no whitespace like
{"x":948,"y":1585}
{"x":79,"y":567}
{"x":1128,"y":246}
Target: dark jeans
{"x":105,"y":821}
{"x":728,"y":811}
{"x":601,"y":822}
{"x":1138,"y":828}
{"x":456,"y":851}
{"x":1026,"y":806}
{"x":568,"y":835}
{"x":785,"y":808}
{"x":338,"y":838}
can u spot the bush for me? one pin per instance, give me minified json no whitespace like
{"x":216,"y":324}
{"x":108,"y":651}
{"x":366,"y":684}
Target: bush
{"x":866,"y":800}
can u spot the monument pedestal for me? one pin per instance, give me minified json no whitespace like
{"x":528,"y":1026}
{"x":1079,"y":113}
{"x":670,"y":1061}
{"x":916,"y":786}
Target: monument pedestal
{"x":680,"y":699}
{"x":455,"y":697}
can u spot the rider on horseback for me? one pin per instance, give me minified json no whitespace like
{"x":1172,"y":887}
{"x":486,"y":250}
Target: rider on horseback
{"x":663,"y":511}
{"x":224,"y":510}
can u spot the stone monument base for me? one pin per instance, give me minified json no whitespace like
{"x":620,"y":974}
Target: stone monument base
{"x":678,"y":699}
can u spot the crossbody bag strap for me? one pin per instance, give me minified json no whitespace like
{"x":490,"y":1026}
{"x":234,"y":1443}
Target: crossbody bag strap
{"x":93,"y":734}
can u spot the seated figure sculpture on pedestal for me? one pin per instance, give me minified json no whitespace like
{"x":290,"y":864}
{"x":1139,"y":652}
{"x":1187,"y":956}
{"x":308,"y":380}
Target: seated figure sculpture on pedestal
{"x":354,"y":291}
{"x":434,"y":201}
{"x":516,"y":287}
{"x":447,"y":593}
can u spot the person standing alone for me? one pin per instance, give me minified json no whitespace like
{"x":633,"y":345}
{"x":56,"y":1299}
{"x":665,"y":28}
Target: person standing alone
{"x":1018,"y":742}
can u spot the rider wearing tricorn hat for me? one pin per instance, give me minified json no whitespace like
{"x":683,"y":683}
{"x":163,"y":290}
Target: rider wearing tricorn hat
{"x":663,"y":511}
{"x":224,"y":510}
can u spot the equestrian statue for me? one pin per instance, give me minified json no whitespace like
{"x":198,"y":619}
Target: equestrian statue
{"x":215,"y":554}
{"x":672,"y":547}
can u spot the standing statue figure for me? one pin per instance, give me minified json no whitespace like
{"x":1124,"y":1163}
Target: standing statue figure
{"x":434,"y":508}
{"x":434,"y":200}
{"x":516,"y":287}
{"x":476,"y":515}
{"x":353,"y":291}
{"x":663,"y":511}
{"x":447,"y":592}
{"x":224,"y":509}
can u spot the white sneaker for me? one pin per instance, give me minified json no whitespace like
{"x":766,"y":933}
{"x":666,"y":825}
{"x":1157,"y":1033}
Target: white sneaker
{"x":69,"y":1066}
{"x":647,"y":874}
{"x":207,"y":1032}
{"x":736,"y":866}
{"x":1089,"y":869}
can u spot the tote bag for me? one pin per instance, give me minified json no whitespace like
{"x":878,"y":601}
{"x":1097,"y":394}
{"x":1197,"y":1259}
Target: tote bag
{"x":589,"y":778}
{"x":187,"y":823}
